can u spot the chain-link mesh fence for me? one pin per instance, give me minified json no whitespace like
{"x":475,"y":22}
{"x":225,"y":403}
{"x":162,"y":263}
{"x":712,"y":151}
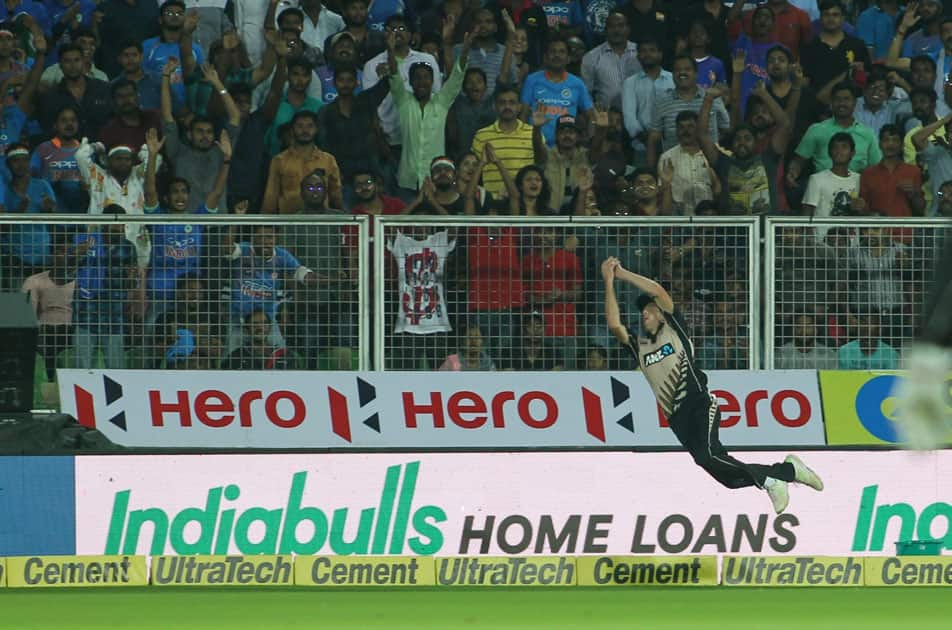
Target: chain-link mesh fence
{"x":464,"y":294}
{"x":847,"y":294}
{"x":170,"y":292}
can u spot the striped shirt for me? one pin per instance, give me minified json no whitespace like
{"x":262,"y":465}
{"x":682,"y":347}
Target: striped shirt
{"x":669,"y":105}
{"x":514,"y":150}
{"x":489,"y":61}
{"x":604,"y":71}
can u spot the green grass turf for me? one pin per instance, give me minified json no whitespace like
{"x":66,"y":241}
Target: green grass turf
{"x":802,"y":608}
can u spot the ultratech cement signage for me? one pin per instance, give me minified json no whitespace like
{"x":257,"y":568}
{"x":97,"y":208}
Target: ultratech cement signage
{"x":60,"y":571}
{"x":798,"y":571}
{"x":548,"y":571}
{"x":425,"y":410}
{"x":909,"y":571}
{"x":500,"y":504}
{"x":647,"y":571}
{"x":363,"y":571}
{"x":222,"y":571}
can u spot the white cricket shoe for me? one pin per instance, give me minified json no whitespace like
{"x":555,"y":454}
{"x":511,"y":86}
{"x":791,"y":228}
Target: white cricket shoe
{"x":777,"y":491}
{"x":803,"y":474}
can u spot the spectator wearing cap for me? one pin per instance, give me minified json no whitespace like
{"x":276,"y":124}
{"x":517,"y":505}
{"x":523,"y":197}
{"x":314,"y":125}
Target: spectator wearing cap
{"x":341,"y":52}
{"x":558,"y":91}
{"x":487,"y":54}
{"x":440,"y":194}
{"x":399,"y":27}
{"x":174,"y":41}
{"x":290,"y":167}
{"x":422,"y":112}
{"x":564,"y":162}
{"x":89,"y":97}
{"x":130,"y":123}
{"x":29,"y":244}
{"x":790,"y":27}
{"x":199,"y":159}
{"x":509,"y":136}
{"x":606,"y":67}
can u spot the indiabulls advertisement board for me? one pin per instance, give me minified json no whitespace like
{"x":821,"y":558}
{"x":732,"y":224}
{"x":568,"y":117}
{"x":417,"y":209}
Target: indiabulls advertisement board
{"x":426,"y":410}
{"x":501,"y":504}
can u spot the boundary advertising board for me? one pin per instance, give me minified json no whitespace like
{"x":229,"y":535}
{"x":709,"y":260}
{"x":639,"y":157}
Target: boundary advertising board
{"x":500,"y":504}
{"x":426,"y":410}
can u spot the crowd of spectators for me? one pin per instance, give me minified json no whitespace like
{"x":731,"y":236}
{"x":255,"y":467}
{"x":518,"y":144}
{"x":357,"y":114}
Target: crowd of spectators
{"x":504,"y":108}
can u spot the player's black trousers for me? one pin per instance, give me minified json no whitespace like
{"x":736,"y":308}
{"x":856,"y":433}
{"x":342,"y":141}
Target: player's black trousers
{"x":696,"y":423}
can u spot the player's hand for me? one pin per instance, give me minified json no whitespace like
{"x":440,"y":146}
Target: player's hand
{"x":608,"y":268}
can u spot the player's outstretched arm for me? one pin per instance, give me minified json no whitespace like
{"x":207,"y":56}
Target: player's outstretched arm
{"x":612,"y":314}
{"x":646,"y":285}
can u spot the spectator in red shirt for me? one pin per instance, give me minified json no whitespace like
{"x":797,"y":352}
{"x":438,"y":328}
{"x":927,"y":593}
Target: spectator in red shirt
{"x":128,"y":126}
{"x":554,"y":278}
{"x":892,"y":188}
{"x":791,"y":26}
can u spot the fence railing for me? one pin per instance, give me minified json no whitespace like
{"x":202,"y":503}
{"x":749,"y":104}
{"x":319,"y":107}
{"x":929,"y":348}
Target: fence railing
{"x":844,"y":293}
{"x":195,"y":292}
{"x":461,"y":293}
{"x":527,"y":294}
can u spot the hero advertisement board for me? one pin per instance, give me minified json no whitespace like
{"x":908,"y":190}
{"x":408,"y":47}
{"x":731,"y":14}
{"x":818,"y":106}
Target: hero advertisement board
{"x":386,"y":410}
{"x":500,"y":504}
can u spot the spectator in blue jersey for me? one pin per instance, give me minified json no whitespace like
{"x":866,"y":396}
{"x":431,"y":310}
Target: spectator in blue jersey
{"x":560,"y":93}
{"x":106,"y":270}
{"x":176,"y":248}
{"x":174,"y":41}
{"x":368,"y":38}
{"x":130,"y":64}
{"x":28,"y":245}
{"x":565,"y":15}
{"x":67,"y":16}
{"x":710,"y":69}
{"x":10,"y":9}
{"x":877,"y":26}
{"x":55,"y":161}
{"x":259,"y":271}
{"x":754,"y":50}
{"x":342,"y":53}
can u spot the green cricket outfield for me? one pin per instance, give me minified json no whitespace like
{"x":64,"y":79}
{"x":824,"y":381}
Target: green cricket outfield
{"x":651,"y":607}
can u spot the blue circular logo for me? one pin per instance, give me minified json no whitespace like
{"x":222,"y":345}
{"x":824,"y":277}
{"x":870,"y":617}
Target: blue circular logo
{"x":876,"y":407}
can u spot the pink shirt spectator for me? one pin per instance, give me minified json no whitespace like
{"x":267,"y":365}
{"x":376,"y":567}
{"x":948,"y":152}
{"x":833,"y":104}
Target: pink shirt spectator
{"x":52,"y":303}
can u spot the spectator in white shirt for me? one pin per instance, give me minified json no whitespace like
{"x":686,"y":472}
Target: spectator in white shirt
{"x":606,"y":67}
{"x":319,"y":23}
{"x":693,"y":179}
{"x":834,"y":192}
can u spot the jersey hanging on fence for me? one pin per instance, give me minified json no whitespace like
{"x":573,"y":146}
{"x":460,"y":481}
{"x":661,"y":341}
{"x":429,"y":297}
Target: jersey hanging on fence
{"x":421,"y":265}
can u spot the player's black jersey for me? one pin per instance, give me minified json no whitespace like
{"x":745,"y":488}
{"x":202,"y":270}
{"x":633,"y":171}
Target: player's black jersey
{"x":668,"y":363}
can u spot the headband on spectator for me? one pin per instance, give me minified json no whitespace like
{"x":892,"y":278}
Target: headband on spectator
{"x":442,"y":161}
{"x":7,"y":32}
{"x":119,"y":149}
{"x":16,"y":152}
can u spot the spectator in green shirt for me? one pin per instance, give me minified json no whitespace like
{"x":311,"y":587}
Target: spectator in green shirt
{"x":813,"y":147}
{"x":422,"y":113}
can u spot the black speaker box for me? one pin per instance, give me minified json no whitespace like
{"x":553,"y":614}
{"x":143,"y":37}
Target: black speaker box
{"x":17,"y":352}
